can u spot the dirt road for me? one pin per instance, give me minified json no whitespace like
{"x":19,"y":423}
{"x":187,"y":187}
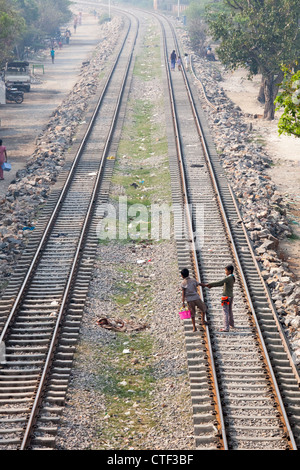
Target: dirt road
{"x":21,"y":124}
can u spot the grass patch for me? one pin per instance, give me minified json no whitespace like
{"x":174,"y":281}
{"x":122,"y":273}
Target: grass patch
{"x":147,"y":67}
{"x":260,"y":140}
{"x":141,"y":170}
{"x":141,"y":176}
{"x":127,"y":381}
{"x":128,"y":292}
{"x":293,"y":237}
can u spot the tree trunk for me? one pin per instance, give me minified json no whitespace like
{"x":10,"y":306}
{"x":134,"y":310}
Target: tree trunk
{"x":261,"y":94}
{"x":269,"y":111}
{"x":271,"y":86}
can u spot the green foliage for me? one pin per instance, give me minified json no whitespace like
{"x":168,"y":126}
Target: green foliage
{"x":12,"y":26}
{"x":140,"y":3}
{"x":104,"y":18}
{"x":195,"y":14}
{"x":258,"y":35}
{"x":29,"y":10}
{"x":195,"y":10}
{"x":289,"y":100}
{"x":52,"y":15}
{"x":23,"y":21}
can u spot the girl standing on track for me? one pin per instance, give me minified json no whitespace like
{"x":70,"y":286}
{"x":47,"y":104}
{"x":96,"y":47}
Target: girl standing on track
{"x":227,"y":298}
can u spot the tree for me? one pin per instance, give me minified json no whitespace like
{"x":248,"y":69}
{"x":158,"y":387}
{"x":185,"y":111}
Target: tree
{"x":22,"y":21}
{"x":289,"y":100}
{"x":258,"y":35}
{"x":29,"y":11}
{"x":52,"y":15}
{"x":12,"y":26}
{"x":197,"y":27}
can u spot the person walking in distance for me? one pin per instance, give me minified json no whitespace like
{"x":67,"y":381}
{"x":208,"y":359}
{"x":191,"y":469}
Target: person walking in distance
{"x":187,"y":61}
{"x":227,"y":297}
{"x":173,"y":60}
{"x":190,"y":294}
{"x":75,"y":23}
{"x":68,"y":35}
{"x":3,"y":158}
{"x":52,"y":53}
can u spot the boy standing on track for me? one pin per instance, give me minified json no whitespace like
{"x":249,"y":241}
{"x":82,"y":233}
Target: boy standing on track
{"x":227,"y":298}
{"x":190,"y":294}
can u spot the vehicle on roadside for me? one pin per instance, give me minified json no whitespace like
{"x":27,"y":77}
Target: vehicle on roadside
{"x":2,"y":94}
{"x":17,"y":74}
{"x":12,"y":94}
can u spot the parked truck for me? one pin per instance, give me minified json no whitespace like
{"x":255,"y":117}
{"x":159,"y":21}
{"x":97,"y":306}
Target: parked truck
{"x":17,"y":75}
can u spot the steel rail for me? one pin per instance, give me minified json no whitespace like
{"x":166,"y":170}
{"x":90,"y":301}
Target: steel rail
{"x":267,"y":292}
{"x":80,"y":244}
{"x":219,"y":415}
{"x":203,"y":88}
{"x":231,"y":240}
{"x":286,"y":423}
{"x":72,"y":275}
{"x":63,"y":193}
{"x":79,"y":249}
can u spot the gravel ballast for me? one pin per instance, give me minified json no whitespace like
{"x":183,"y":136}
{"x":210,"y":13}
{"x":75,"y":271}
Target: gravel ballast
{"x":129,"y":388}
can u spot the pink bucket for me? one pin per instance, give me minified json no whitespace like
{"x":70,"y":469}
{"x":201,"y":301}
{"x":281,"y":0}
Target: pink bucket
{"x":185,"y":314}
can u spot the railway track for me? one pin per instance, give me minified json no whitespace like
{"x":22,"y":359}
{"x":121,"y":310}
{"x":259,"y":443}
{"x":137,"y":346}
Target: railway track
{"x":244,"y":384}
{"x":41,"y":309}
